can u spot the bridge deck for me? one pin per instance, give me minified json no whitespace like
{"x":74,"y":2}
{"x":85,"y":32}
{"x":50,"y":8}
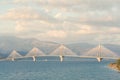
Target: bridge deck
{"x":98,"y":52}
{"x":4,"y":59}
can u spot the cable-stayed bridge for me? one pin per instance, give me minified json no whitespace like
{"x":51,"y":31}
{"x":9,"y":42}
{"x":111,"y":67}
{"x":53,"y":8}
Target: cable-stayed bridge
{"x":14,"y":54}
{"x":34,"y":53}
{"x":99,"y":53}
{"x":62,"y":51}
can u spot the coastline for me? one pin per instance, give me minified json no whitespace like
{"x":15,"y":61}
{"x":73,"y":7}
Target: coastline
{"x":114,"y":66}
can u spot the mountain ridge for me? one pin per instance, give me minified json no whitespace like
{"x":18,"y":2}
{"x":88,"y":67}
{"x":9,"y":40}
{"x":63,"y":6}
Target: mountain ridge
{"x":23,"y":46}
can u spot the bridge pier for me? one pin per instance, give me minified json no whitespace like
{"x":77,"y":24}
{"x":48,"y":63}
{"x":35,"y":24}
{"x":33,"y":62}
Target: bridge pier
{"x":99,"y":59}
{"x":34,"y":59}
{"x":61,"y":58}
{"x":13,"y":59}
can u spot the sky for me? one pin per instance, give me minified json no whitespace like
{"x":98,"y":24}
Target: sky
{"x":63,"y":21}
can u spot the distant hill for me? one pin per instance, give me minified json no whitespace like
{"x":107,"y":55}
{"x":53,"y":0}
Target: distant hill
{"x":10,"y":43}
{"x":80,"y":48}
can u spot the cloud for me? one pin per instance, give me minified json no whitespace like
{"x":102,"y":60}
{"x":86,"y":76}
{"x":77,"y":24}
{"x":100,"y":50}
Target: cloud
{"x":67,"y":32}
{"x":78,"y":5}
{"x":55,"y":34}
{"x":114,"y":30}
{"x":96,"y":13}
{"x":21,"y":1}
{"x":20,"y":27}
{"x":50,"y":35}
{"x":64,"y":20}
{"x":88,"y":30}
{"x":26,"y":13}
{"x":85,"y":29}
{"x":32,"y":26}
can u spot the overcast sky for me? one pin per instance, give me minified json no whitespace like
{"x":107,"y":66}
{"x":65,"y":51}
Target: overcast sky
{"x":63,"y":21}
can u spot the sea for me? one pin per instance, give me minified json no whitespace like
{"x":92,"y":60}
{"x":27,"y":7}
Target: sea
{"x":83,"y":69}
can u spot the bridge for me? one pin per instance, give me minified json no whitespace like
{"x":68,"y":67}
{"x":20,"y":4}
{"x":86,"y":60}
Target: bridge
{"x":62,"y":51}
{"x":99,"y":53}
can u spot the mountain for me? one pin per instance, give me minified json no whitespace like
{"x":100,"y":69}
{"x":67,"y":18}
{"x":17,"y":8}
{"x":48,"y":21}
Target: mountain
{"x":79,"y":48}
{"x":9,"y":43}
{"x":23,"y":46}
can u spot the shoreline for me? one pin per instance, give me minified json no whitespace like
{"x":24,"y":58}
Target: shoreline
{"x":114,"y":66}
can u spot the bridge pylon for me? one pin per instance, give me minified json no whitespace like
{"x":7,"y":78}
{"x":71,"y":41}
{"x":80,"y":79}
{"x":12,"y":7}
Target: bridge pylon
{"x":62,"y":51}
{"x":61,"y":58}
{"x":34,"y":52}
{"x":13,"y":59}
{"x":34,"y":59}
{"x":14,"y":55}
{"x":99,"y":53}
{"x":99,"y":59}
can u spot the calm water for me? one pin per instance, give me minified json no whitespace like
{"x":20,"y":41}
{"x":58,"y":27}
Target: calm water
{"x":68,"y":70}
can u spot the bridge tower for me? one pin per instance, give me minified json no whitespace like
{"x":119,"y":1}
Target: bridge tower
{"x":61,"y":58}
{"x":14,"y":54}
{"x":62,"y":51}
{"x":13,"y":59}
{"x":99,"y":58}
{"x":34,"y":59}
{"x":99,"y":53}
{"x":35,"y":52}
